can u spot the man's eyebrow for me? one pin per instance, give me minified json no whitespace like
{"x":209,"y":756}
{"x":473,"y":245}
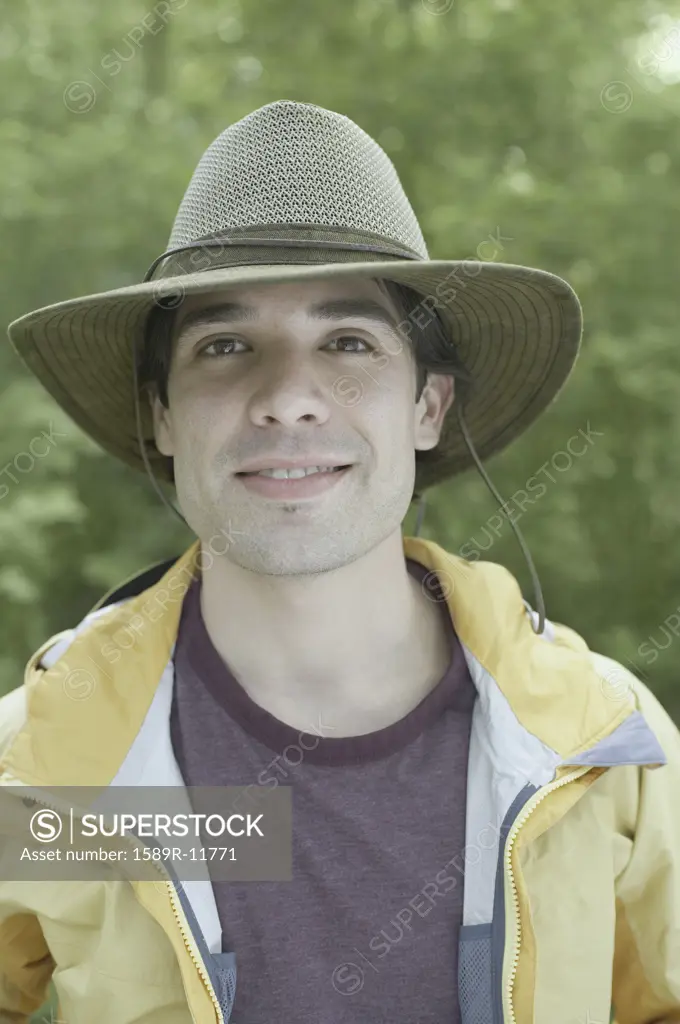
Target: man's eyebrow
{"x":226,"y":312}
{"x":335,"y":309}
{"x":344,"y":309}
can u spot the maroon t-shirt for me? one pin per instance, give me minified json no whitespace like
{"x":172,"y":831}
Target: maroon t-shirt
{"x":366,"y":931}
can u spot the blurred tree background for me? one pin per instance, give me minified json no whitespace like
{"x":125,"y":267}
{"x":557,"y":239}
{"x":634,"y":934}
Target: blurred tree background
{"x":555,"y":126}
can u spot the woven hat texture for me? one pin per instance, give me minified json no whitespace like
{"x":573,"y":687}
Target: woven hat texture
{"x":320,"y":169}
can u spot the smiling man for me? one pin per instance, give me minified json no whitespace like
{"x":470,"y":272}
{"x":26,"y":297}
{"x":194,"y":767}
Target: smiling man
{"x":285,"y":377}
{"x":485,"y":824}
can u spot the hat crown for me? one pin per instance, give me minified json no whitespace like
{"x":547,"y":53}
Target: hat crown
{"x":293,"y":163}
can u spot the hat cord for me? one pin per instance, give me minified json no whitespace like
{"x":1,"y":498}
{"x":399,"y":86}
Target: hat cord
{"x":384,"y":250}
{"x":538,"y":593}
{"x":536,"y":583}
{"x":141,"y":443}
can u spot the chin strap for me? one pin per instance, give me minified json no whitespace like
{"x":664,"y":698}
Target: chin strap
{"x":420,"y":515}
{"x":141,"y":444}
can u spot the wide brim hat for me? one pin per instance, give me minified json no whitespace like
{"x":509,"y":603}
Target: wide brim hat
{"x":294,"y":192}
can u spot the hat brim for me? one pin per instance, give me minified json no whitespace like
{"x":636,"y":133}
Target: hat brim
{"x":517,"y":331}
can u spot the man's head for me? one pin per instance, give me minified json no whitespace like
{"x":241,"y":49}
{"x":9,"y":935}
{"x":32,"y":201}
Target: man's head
{"x":325,"y":372}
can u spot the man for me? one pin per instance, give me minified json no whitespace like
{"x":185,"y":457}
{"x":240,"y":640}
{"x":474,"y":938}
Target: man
{"x":485,"y":823}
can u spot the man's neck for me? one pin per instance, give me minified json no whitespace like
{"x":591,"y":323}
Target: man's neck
{"x":356,"y":648}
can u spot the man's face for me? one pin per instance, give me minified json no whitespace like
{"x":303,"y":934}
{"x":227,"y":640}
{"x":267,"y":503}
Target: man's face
{"x":273,"y":374}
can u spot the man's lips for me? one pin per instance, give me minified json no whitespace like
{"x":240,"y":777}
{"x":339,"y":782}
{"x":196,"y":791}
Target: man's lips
{"x":327,"y":467}
{"x":296,"y":487}
{"x":307,"y":462}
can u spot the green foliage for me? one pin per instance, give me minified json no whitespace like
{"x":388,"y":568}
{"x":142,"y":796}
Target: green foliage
{"x":549,"y":124}
{"x":553,"y":124}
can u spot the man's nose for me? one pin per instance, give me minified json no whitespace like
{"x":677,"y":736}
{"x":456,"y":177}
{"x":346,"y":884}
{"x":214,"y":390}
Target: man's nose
{"x":290,"y":392}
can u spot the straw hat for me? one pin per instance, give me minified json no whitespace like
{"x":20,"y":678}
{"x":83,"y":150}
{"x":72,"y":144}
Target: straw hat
{"x":294,"y":192}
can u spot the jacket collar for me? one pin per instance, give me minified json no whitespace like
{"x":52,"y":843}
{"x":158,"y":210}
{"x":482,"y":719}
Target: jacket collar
{"x":84,"y":712}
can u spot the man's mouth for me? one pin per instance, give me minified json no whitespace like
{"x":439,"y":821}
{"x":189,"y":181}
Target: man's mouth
{"x":295,"y":483}
{"x":295,"y":473}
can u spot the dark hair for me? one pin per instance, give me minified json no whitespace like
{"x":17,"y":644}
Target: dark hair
{"x":429,"y":340}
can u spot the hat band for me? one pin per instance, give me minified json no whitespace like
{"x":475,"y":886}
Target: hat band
{"x":376,"y":245}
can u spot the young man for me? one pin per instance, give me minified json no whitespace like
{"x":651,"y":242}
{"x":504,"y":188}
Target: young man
{"x":485,"y":825}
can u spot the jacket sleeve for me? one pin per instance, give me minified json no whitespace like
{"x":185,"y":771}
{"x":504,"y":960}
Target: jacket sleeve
{"x":26,"y":964}
{"x":646,"y":969}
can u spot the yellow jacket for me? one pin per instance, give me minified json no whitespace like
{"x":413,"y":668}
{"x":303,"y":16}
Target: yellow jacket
{"x":572,"y":870}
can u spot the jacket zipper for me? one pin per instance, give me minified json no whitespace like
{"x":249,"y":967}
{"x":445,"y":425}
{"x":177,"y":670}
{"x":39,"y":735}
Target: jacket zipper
{"x":188,"y":942}
{"x":196,"y":959}
{"x":512,"y":836}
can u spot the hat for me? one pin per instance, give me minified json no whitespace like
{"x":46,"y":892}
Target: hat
{"x":294,"y":192}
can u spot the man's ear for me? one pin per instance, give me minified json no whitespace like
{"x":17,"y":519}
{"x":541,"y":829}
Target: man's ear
{"x":162,"y":424}
{"x":434,"y":403}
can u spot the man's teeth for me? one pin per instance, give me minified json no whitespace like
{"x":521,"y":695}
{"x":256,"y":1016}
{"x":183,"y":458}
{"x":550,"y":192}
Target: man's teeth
{"x":296,"y":474}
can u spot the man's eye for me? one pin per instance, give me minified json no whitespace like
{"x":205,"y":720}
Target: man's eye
{"x":351,"y":338}
{"x":217,"y":347}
